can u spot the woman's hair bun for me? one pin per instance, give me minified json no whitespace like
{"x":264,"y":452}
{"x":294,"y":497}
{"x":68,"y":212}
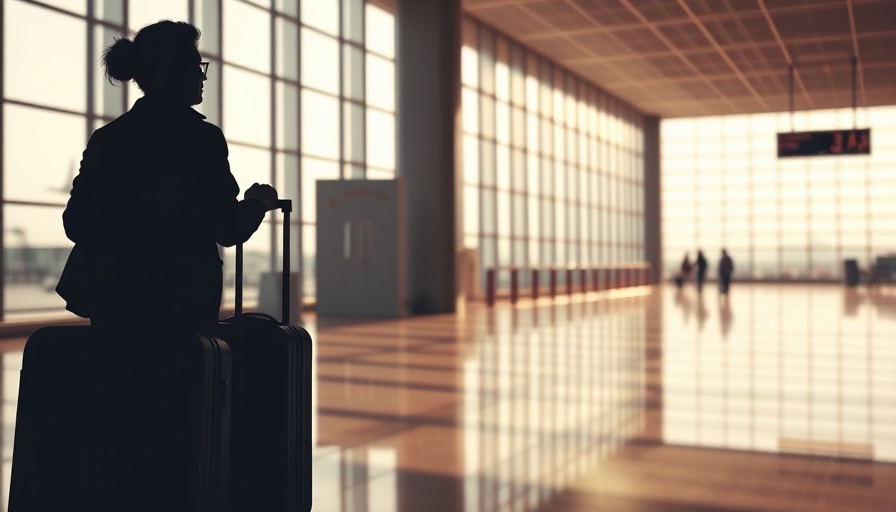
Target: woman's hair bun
{"x":121,"y":60}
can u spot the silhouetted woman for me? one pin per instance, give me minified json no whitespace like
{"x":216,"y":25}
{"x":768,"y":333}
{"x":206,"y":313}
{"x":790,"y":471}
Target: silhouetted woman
{"x":155,"y":194}
{"x":153,"y":198}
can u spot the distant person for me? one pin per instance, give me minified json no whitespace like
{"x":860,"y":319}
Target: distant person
{"x":154,"y":196}
{"x":726,"y":268}
{"x":701,"y":265}
{"x":684,"y":274}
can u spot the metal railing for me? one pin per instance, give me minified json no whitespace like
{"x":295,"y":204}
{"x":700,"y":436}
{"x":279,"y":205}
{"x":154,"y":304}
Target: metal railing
{"x":577,"y":279}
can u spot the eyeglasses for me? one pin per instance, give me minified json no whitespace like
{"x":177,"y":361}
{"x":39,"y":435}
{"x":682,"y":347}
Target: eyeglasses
{"x":203,"y":67}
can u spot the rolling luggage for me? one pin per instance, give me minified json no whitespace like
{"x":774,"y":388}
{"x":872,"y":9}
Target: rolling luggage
{"x":270,"y":452}
{"x":114,"y":421}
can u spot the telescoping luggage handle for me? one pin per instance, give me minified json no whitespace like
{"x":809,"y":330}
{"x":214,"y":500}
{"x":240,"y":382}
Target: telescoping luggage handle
{"x":285,"y":206}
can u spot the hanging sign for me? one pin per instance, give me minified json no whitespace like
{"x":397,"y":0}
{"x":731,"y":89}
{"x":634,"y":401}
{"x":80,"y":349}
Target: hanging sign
{"x":829,"y":142}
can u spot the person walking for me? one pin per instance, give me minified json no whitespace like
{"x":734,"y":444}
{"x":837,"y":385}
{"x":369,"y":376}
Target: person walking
{"x":701,"y":265}
{"x":726,"y":268}
{"x":684,"y":273}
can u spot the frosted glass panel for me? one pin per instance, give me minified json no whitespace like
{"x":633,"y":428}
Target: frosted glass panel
{"x":247,"y":35}
{"x":32,"y":72}
{"x":381,"y":82}
{"x":141,"y":14}
{"x":247,"y":106}
{"x":320,"y":61}
{"x":320,"y":125}
{"x":32,"y":169}
{"x":380,"y":27}
{"x":321,"y":14}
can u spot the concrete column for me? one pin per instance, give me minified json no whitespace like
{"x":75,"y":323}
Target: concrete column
{"x":427,"y":107}
{"x":653,"y":229}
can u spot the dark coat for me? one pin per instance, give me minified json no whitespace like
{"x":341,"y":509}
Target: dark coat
{"x":701,"y":265}
{"x":726,"y":266}
{"x":153,"y":198}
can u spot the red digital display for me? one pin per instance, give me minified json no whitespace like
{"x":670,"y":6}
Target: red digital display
{"x":829,"y":142}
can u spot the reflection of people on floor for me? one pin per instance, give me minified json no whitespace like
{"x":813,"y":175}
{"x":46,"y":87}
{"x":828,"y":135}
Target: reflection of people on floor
{"x":726,"y":318}
{"x":702,"y":313}
{"x":851,"y":301}
{"x":878,"y":299}
{"x":684,"y":302}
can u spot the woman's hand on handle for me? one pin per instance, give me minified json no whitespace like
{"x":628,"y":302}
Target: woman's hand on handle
{"x":264,"y":193}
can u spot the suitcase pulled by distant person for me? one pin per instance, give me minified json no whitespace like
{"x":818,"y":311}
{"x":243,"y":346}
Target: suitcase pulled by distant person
{"x":271,"y":452}
{"x":121,"y":421}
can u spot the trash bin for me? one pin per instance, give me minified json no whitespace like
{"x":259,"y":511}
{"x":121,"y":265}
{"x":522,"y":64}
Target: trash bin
{"x":851,"y":272}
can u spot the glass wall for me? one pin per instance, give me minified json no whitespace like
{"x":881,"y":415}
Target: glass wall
{"x":780,"y":219}
{"x":552,"y":167}
{"x":303,"y":91}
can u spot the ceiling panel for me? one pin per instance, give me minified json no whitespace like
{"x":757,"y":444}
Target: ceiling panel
{"x":709,"y":63}
{"x":875,"y":49}
{"x":561,"y":48}
{"x":750,"y":59}
{"x":656,"y":10}
{"x":881,"y":80}
{"x":512,"y":18}
{"x":798,"y":4}
{"x":559,"y":15}
{"x":702,"y":91}
{"x":746,"y":30}
{"x":733,"y":88}
{"x":876,"y":16}
{"x":606,"y":14}
{"x":643,"y":40}
{"x":605,"y":46}
{"x":716,"y":8}
{"x":809,"y":23}
{"x":684,"y":36}
{"x":670,"y":66}
{"x":605,"y":73}
{"x":769,"y":85}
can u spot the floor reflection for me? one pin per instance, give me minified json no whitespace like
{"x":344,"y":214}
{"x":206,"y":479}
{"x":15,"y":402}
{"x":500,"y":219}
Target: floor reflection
{"x":698,"y":305}
{"x":484,"y":412}
{"x":778,"y":397}
{"x":807,"y":370}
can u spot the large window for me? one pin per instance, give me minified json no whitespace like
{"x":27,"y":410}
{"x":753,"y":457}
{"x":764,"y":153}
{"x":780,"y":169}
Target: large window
{"x":303,"y":91}
{"x":780,"y":219}
{"x":552,"y":167}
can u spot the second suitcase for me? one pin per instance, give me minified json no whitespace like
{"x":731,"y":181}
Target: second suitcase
{"x":271,"y":453}
{"x":121,"y":421}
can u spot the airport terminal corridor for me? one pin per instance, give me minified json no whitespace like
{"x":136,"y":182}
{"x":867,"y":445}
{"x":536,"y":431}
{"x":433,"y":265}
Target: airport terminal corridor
{"x":581,"y":152}
{"x":782,"y":397}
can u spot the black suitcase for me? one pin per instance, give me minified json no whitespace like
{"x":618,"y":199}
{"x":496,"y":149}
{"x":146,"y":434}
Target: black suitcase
{"x":105,"y":423}
{"x":271,"y":455}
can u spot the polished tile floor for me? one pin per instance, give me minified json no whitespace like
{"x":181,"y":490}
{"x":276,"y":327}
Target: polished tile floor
{"x":782,"y":397}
